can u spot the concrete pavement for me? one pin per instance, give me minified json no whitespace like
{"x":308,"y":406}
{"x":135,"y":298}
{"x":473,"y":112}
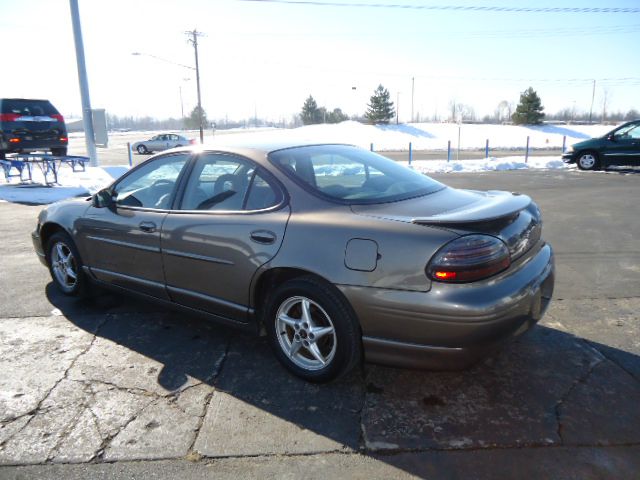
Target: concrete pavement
{"x":115,"y":388}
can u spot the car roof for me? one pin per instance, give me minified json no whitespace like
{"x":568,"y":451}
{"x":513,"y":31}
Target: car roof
{"x":257,"y":145}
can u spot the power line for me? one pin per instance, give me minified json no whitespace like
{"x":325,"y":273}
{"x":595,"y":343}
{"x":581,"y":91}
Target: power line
{"x":456,"y":8}
{"x":521,"y":33}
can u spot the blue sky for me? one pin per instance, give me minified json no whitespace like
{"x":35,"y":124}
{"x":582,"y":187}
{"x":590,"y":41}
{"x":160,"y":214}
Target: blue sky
{"x":266,"y":58}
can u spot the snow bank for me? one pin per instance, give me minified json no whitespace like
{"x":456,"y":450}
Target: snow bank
{"x":70,"y":184}
{"x":488,"y":165}
{"x":434,"y":136}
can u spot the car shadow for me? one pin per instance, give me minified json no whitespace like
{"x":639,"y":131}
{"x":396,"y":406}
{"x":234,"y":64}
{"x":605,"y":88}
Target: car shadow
{"x":547,"y":388}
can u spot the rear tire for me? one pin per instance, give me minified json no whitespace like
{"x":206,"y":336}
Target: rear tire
{"x":588,"y":161}
{"x":313,"y":330}
{"x":142,"y":149}
{"x":65,"y":265}
{"x":59,"y":152}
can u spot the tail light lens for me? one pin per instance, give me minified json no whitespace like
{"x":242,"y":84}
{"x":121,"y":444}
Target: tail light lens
{"x":64,"y":139}
{"x":8,"y":117}
{"x":469,"y":258}
{"x":14,"y":140}
{"x":192,"y":141}
{"x":58,"y":117}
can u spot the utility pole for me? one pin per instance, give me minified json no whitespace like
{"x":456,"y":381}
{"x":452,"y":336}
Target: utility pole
{"x":87,"y":119}
{"x":593,"y":96}
{"x":194,"y":34}
{"x":413,"y":84}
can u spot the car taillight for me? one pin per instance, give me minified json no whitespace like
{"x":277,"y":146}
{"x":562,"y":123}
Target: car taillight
{"x":9,"y":117}
{"x":64,"y":139}
{"x":192,"y":141}
{"x":469,"y":258}
{"x":14,"y":140}
{"x":58,"y":117}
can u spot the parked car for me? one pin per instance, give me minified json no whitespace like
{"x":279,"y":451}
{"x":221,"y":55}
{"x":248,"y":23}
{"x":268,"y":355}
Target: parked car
{"x":164,"y":141}
{"x":621,"y":146}
{"x":331,"y":249}
{"x":30,"y":126}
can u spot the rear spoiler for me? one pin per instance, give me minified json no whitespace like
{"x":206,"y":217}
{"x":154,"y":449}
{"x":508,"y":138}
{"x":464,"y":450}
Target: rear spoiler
{"x":496,"y":205}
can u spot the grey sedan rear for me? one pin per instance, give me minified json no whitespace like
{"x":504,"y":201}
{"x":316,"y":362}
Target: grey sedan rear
{"x":333,"y":251}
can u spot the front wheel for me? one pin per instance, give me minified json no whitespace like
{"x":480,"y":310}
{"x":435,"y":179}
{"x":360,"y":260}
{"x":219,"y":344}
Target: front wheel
{"x":588,"y":161}
{"x":312,"y":330}
{"x":142,"y":149}
{"x":65,"y":265}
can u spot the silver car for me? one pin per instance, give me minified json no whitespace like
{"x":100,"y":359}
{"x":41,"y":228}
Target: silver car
{"x":163,"y":141}
{"x":330,"y":250}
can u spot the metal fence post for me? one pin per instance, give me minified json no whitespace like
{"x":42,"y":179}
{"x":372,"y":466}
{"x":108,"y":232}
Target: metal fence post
{"x":486,"y":149}
{"x":372,"y":147}
{"x":129,"y":152}
{"x":526,"y":155}
{"x":448,"y":151}
{"x":564,"y":143}
{"x":410,"y":153}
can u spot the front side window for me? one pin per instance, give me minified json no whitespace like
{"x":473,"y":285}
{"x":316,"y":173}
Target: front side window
{"x":629,"y":132}
{"x":152,"y":185}
{"x":222,"y":182}
{"x":352,"y":175}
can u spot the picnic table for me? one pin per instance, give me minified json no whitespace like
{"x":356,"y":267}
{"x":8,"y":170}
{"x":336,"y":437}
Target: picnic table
{"x":22,"y":165}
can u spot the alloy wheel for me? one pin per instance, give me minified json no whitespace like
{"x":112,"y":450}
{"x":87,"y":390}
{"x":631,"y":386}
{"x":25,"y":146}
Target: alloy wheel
{"x":305,"y":333}
{"x":64,"y":266}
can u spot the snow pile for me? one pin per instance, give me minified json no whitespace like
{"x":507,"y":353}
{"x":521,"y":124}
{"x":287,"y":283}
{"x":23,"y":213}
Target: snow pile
{"x":432,"y":136}
{"x":70,"y":184}
{"x":488,"y":165}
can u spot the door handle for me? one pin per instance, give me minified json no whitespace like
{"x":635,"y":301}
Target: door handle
{"x":263,"y":236}
{"x":148,"y":227}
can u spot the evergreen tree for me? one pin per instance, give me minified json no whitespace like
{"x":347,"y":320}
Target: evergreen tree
{"x":336,"y":116}
{"x":192,"y":122}
{"x":529,"y":110}
{"x":311,"y":114}
{"x":380,"y":108}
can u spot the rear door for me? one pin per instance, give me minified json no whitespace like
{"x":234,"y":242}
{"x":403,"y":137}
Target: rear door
{"x":121,"y":244}
{"x":231,"y":220}
{"x":624,"y":147}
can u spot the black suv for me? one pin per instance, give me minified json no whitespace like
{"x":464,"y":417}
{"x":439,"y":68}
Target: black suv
{"x":31,"y":125}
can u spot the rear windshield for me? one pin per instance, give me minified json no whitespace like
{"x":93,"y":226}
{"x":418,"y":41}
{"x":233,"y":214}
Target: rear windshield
{"x":352,"y":175}
{"x":28,"y":108}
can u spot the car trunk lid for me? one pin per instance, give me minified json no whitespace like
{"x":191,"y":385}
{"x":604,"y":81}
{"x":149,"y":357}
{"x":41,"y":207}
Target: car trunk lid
{"x":512,"y":217}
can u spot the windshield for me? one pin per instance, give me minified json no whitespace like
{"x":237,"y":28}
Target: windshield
{"x":352,"y":175}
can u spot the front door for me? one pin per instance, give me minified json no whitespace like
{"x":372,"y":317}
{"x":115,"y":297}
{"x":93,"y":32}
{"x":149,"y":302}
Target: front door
{"x":231,"y":220}
{"x":121,"y":243}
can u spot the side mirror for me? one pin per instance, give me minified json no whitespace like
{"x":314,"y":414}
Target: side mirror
{"x":103,"y":199}
{"x":611,"y":137}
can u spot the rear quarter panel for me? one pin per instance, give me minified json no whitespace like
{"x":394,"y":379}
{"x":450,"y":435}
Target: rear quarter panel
{"x":316,"y":241}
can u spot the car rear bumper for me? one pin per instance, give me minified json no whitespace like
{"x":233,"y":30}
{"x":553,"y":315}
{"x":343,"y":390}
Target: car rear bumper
{"x":453,"y":326}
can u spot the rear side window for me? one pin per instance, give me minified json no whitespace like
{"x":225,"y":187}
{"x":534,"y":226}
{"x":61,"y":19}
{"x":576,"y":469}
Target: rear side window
{"x":222,"y":182}
{"x":28,"y":108}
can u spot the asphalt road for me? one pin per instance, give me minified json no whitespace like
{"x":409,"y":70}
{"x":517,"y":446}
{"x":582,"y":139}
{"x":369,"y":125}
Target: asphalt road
{"x":114,"y":388}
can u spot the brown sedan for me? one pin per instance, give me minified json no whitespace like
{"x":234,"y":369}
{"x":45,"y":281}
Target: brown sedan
{"x":331,"y":250}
